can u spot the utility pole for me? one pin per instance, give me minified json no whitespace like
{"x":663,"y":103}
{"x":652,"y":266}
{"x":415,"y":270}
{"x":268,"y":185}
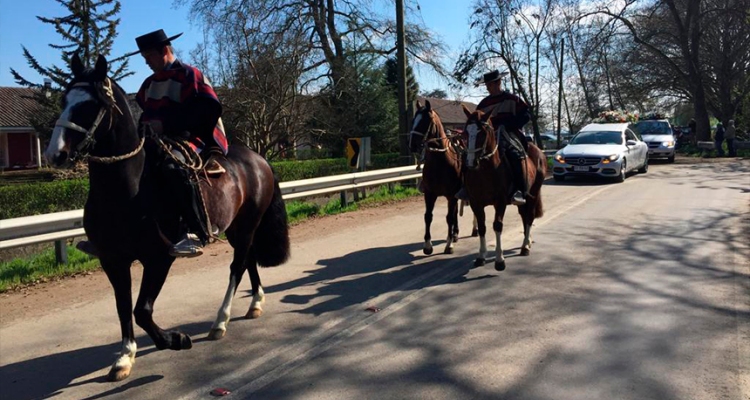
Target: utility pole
{"x":403,"y":117}
{"x":560,"y":91}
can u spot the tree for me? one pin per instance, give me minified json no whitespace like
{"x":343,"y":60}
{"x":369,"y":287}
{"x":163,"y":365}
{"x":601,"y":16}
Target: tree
{"x":436,"y":93}
{"x":510,"y":33}
{"x":333,"y":29}
{"x":88,"y":30}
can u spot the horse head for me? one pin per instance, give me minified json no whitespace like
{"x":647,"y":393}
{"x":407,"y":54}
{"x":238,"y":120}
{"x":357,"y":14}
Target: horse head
{"x":424,"y":128}
{"x":87,"y":100}
{"x":482,"y":143}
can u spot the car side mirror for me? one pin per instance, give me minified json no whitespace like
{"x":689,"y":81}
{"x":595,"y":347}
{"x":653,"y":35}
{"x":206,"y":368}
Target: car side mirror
{"x":565,"y":142}
{"x":630,"y":143}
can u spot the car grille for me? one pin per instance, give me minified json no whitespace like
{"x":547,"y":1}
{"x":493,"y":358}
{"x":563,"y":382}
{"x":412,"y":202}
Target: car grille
{"x":580,"y":160}
{"x":653,"y":145}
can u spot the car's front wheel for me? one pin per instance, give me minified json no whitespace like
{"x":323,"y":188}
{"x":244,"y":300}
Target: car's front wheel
{"x":623,"y":170}
{"x":644,"y":168}
{"x":670,"y":159}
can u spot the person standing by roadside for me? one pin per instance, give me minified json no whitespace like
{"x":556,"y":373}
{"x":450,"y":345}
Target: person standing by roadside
{"x":729,"y":136}
{"x":719,"y":140}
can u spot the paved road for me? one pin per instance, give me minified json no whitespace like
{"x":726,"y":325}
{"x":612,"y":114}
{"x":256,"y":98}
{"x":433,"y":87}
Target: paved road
{"x":638,"y":291}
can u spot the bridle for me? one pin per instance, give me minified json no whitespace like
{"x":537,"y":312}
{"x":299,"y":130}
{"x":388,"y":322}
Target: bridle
{"x":486,"y":156}
{"x":442,"y":147}
{"x":88,"y":143}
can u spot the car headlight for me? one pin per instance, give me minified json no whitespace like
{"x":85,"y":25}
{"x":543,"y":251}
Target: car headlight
{"x":668,"y":144}
{"x":609,"y":159}
{"x":559,"y":158}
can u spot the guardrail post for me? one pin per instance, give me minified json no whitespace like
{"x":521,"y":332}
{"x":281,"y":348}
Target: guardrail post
{"x":61,"y":252}
{"x":343,"y":199}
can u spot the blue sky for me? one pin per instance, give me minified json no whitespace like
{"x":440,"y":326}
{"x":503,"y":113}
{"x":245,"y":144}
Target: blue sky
{"x":19,"y":26}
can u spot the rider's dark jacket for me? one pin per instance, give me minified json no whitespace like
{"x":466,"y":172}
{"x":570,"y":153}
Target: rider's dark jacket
{"x":183,"y":100}
{"x":509,"y":110}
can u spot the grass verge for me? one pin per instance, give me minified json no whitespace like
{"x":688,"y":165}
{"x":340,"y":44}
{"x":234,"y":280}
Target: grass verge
{"x":42,"y":267}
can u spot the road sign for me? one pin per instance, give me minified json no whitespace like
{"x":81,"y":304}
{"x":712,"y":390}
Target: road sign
{"x":352,"y":151}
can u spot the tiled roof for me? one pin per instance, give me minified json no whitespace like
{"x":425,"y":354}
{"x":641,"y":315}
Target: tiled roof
{"x":16,"y":104}
{"x":450,"y":111}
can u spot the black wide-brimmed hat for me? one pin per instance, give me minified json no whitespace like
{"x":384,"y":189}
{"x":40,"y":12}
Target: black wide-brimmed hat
{"x":492,"y":76}
{"x":153,"y":40}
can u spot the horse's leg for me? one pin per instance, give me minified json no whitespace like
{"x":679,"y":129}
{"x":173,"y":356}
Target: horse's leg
{"x":155,"y":272}
{"x":429,"y":202}
{"x":474,"y":230}
{"x":481,"y":230}
{"x":452,"y":219}
{"x":237,"y":269}
{"x":259,"y":297}
{"x":497,"y":226}
{"x":119,"y":276}
{"x":527,"y":216}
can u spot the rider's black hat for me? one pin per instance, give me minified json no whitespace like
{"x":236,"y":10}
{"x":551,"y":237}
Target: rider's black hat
{"x":492,"y":76}
{"x":153,"y":40}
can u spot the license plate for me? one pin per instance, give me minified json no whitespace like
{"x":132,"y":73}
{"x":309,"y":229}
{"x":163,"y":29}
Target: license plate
{"x":580,"y":169}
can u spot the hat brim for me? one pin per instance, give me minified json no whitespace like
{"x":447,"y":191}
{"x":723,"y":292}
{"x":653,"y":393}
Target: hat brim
{"x":169,"y":39}
{"x":481,"y":81}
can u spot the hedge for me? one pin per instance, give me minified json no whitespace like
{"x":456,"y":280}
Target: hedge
{"x":47,"y":197}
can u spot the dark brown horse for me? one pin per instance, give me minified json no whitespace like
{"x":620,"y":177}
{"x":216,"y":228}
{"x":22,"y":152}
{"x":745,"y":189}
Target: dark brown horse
{"x":441,"y":174}
{"x":127,"y":218}
{"x":487,"y":179}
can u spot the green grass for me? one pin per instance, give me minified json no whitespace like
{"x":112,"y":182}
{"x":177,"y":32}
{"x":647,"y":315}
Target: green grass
{"x":42,"y":267}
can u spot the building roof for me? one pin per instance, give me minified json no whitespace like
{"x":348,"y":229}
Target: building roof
{"x":16,"y":104}
{"x":450,"y":111}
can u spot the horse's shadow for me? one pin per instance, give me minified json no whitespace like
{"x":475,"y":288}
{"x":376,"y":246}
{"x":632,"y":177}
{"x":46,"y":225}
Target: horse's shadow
{"x":48,"y":376}
{"x":374,"y":271}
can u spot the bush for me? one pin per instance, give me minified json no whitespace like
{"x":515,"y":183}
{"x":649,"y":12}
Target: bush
{"x":42,"y":198}
{"x":47,"y":197}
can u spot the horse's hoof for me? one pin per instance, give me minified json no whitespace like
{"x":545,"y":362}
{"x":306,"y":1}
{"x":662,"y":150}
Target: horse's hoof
{"x":525,"y":251}
{"x":216,"y":334}
{"x":479,"y":262}
{"x":500,"y":265}
{"x":448,"y":250}
{"x":117,"y":374}
{"x":253,"y":313}
{"x":181,"y":341}
{"x":474,"y":233}
{"x":427,"y":250}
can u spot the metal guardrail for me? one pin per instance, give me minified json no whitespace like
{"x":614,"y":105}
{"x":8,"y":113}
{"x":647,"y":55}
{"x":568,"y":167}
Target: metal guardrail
{"x":56,"y":227}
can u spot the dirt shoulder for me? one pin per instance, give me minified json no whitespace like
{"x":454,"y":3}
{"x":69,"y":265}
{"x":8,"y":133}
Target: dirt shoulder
{"x":45,"y":298}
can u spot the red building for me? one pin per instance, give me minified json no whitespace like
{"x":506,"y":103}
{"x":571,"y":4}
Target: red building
{"x":19,"y":144}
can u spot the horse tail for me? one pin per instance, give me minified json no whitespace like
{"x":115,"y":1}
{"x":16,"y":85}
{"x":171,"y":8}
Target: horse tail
{"x":271,"y":240}
{"x":539,"y":176}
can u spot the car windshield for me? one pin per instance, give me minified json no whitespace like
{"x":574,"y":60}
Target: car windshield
{"x":653,"y":128}
{"x":598,"y":137}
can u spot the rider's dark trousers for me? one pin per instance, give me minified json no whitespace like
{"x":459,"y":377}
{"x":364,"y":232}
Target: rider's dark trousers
{"x":187,"y":194}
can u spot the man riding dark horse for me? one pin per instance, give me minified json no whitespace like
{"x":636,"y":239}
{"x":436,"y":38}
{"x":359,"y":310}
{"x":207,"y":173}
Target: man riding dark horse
{"x":182,"y":114}
{"x":508,"y":113}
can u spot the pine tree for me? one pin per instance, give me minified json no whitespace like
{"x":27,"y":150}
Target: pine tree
{"x":391,"y":78}
{"x":88,"y":30}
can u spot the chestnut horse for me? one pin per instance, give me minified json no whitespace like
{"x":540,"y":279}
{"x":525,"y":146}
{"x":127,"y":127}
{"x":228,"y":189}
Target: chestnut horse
{"x":127,"y":218}
{"x":441,"y":174}
{"x":488,"y":180}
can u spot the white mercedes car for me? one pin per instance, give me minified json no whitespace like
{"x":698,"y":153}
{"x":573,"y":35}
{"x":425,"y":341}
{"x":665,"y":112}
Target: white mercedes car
{"x":606,"y":150}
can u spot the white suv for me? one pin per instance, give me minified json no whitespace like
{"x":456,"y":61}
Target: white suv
{"x":658,"y":134}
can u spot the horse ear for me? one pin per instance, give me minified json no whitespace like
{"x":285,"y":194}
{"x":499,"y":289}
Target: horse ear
{"x":419,"y":105}
{"x":427,"y":105}
{"x":76,"y":65}
{"x":100,"y":70}
{"x":484,"y":117}
{"x":466,"y":110}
